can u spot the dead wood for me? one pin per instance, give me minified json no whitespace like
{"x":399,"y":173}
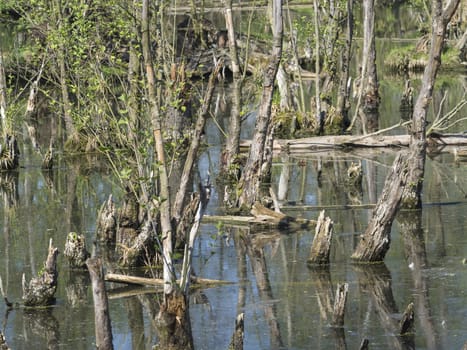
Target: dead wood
{"x":407,"y":322}
{"x":364,"y":344}
{"x":339,"y":304}
{"x":75,"y":250}
{"x":321,"y":246}
{"x":107,"y":222}
{"x":237,"y":338}
{"x":101,"y":305}
{"x":195,"y":281}
{"x":41,"y":289}
{"x":3,"y":344}
{"x":9,"y":153}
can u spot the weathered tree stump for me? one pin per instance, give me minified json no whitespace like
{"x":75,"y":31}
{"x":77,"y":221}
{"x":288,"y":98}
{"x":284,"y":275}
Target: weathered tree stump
{"x":101,"y":305}
{"x":41,"y":289}
{"x":408,"y":320}
{"x":3,"y":344}
{"x":237,"y":338}
{"x":107,"y":222}
{"x":339,"y":305}
{"x":9,"y":153}
{"x":355,"y":174}
{"x":321,"y":246}
{"x":75,"y":250}
{"x":364,"y":344}
{"x":173,"y":323}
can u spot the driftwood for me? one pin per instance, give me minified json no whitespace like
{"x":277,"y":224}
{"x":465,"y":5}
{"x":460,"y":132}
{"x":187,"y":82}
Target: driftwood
{"x":321,"y":246}
{"x":237,"y":337}
{"x":75,"y":250}
{"x":101,"y":305}
{"x":41,"y":289}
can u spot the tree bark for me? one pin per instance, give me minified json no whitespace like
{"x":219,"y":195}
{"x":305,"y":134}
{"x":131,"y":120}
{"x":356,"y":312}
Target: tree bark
{"x":251,"y":177}
{"x":75,"y":250}
{"x":101,"y":305}
{"x":374,"y":243}
{"x":3,"y":99}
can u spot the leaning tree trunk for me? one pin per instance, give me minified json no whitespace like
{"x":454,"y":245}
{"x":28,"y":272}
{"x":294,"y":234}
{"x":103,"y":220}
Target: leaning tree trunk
{"x":404,"y":182}
{"x":440,"y":18}
{"x":251,"y":177}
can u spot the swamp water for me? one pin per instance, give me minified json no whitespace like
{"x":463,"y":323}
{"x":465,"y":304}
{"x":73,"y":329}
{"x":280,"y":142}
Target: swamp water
{"x":287,"y":305}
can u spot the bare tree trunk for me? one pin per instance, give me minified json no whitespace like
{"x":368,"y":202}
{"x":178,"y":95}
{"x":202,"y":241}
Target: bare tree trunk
{"x":411,"y":197}
{"x":319,"y":118}
{"x":165,"y":206}
{"x":3,"y":102}
{"x":343,"y":103}
{"x":101,"y":305}
{"x":251,"y":177}
{"x":233,"y":138}
{"x":370,"y":91}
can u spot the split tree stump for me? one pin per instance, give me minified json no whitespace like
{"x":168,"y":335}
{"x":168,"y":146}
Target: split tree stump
{"x":321,"y":246}
{"x":339,"y":305}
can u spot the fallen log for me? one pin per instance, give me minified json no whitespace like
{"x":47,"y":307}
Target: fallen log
{"x":195,"y":281}
{"x":436,"y":143}
{"x":262,"y":218}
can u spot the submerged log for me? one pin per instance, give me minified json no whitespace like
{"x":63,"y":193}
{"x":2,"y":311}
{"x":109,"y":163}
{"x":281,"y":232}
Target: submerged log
{"x":321,"y":246}
{"x":101,"y":305}
{"x":75,"y":250}
{"x":237,"y":338}
{"x":41,"y":289}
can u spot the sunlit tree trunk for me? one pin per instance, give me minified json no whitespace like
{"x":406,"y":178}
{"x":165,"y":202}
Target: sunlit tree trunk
{"x":166,"y":226}
{"x":342,"y":104}
{"x":251,"y":177}
{"x":233,"y":138}
{"x":370,"y":93}
{"x":3,"y":103}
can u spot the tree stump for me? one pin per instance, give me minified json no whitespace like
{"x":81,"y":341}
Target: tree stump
{"x":237,"y":337}
{"x":75,"y":250}
{"x":41,"y":289}
{"x":107,"y":222}
{"x":3,"y":344}
{"x":321,"y":247}
{"x":9,"y":153}
{"x":339,"y":305}
{"x":408,"y":320}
